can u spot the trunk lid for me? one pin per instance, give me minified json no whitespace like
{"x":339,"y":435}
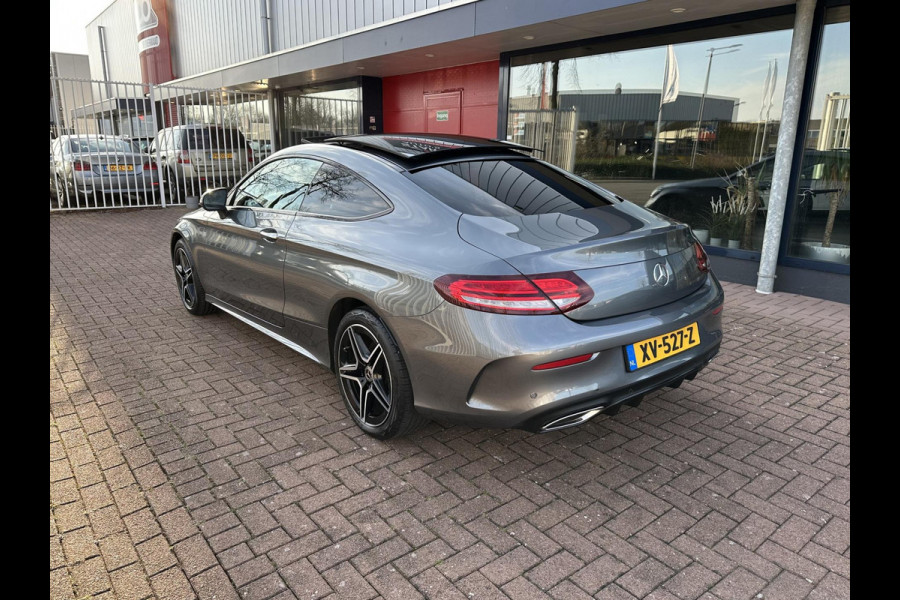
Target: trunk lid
{"x":632,"y":259}
{"x":114,"y":163}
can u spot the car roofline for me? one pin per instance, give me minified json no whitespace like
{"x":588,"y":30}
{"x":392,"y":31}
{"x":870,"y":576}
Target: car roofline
{"x":464,"y":148}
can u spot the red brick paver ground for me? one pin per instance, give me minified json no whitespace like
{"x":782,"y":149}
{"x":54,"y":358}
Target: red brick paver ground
{"x":196,"y":458}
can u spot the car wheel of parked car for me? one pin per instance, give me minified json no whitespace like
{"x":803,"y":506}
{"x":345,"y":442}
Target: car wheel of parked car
{"x":373,"y":378}
{"x":59,"y":192}
{"x":192,"y":295}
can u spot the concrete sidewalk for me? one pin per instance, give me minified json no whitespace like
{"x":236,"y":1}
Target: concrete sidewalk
{"x":196,"y":458}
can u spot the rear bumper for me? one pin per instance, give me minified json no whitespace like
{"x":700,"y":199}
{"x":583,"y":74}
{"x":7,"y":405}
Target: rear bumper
{"x":476,"y":368}
{"x":564,"y":415}
{"x":140,"y":183}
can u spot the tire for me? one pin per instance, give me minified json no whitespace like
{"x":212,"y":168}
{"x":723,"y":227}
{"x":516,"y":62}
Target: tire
{"x":189,"y":288}
{"x":57,"y":192}
{"x":171,"y":187}
{"x":373,"y":378}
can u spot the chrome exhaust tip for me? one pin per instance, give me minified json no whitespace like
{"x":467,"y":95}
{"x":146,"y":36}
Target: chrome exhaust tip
{"x":572,"y":420}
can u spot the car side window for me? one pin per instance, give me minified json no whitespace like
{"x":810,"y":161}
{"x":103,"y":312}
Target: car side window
{"x":336,"y":192}
{"x":278,"y":185}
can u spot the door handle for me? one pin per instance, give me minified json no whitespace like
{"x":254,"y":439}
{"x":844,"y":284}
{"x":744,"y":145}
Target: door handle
{"x":269,"y":234}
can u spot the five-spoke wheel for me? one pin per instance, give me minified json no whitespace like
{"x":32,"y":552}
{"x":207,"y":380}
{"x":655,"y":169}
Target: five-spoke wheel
{"x":373,"y":378}
{"x":365,"y":375}
{"x":192,"y":295}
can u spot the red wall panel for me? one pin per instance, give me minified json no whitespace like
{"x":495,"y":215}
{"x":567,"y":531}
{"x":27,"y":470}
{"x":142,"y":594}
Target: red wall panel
{"x":404,"y":98}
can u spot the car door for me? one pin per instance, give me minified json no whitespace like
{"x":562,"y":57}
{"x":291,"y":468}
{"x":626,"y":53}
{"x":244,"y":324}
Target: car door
{"x":240,"y":252}
{"x":323,"y":243}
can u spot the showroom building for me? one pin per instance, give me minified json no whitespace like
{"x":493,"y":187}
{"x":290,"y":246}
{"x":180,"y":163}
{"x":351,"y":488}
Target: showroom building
{"x":581,"y":81}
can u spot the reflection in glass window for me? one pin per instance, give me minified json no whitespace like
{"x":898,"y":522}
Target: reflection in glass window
{"x":315,"y":116}
{"x":279,"y":185}
{"x":500,"y":188}
{"x":336,"y":192}
{"x":596,"y":115}
{"x":821,"y":216}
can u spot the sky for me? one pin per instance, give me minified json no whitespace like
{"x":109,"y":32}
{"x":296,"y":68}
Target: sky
{"x":68,"y":19}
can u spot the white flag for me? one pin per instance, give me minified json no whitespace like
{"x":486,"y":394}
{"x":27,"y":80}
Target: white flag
{"x":762,"y":105}
{"x":774,"y":80}
{"x":670,"y":80}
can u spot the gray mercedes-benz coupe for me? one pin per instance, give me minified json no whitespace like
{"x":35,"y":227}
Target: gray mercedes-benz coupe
{"x":456,"y":278}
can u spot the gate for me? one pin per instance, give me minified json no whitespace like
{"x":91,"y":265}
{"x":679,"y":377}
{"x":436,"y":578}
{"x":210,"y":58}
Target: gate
{"x":125,"y":145}
{"x":551,"y":133}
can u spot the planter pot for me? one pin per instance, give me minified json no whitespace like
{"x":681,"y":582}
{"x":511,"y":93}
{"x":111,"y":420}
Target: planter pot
{"x":734,"y":243}
{"x":836,"y":253}
{"x":702,"y":235}
{"x":716,"y":241}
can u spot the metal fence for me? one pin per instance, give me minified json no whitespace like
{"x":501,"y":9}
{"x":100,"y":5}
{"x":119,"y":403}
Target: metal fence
{"x":95,"y":133}
{"x":552,"y":133}
{"x":122,"y":145}
{"x":208,"y":139}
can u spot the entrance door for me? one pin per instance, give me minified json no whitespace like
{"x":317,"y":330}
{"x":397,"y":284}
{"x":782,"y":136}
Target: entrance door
{"x":443,"y":113}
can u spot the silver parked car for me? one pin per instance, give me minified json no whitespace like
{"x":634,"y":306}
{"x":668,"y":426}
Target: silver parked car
{"x":193,"y":158}
{"x":456,"y":278}
{"x":83,"y":167}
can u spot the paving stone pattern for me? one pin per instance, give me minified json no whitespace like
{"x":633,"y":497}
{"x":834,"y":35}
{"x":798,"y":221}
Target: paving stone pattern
{"x":196,"y":458}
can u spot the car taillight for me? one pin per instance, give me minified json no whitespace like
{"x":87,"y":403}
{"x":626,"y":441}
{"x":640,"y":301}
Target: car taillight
{"x":550,"y":293}
{"x":701,"y":256}
{"x":184,"y":158}
{"x":150,"y":166}
{"x":250,"y":156}
{"x":81,"y":165}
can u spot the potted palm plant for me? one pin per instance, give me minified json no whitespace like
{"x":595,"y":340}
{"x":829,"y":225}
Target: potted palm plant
{"x":837,"y":177}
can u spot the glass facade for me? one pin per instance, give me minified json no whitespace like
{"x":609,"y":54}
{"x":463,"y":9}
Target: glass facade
{"x":316,"y":114}
{"x":821,"y":214}
{"x":703,"y":152}
{"x":710,"y":147}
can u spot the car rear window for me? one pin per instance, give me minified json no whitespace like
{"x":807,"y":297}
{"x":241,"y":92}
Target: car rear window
{"x":216,"y":139}
{"x":504,"y":187}
{"x":97,"y":145}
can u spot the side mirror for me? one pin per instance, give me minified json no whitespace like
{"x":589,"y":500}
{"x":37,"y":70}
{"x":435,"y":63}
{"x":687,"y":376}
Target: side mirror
{"x":214,"y":199}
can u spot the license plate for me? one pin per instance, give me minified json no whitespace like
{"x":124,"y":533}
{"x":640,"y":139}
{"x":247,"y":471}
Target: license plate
{"x":655,"y":349}
{"x":111,"y":168}
{"x":220,"y":155}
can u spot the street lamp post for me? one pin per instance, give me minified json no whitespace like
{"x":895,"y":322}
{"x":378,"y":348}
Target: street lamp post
{"x":712,"y":52}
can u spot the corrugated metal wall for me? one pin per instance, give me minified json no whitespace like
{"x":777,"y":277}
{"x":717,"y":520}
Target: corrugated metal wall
{"x":121,"y":39}
{"x":238,"y":26}
{"x":210,"y":34}
{"x":300,"y":22}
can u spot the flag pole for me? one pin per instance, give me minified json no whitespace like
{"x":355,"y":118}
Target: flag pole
{"x":668,"y":93}
{"x":762,"y":142}
{"x":762,"y":107}
{"x":656,"y":139}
